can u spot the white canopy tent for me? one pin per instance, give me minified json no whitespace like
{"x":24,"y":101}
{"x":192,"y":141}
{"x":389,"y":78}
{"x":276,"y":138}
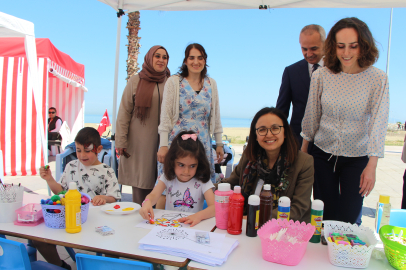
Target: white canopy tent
{"x":11,"y":26}
{"x":179,"y":5}
{"x":183,"y":5}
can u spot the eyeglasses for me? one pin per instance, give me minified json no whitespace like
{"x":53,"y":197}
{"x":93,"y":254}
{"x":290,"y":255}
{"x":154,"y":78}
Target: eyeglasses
{"x":51,"y":112}
{"x":274,"y":129}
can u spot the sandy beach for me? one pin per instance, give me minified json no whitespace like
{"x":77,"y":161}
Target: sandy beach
{"x":236,"y":135}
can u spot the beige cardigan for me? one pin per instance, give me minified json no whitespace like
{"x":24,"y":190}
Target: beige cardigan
{"x":170,"y":111}
{"x":299,"y":190}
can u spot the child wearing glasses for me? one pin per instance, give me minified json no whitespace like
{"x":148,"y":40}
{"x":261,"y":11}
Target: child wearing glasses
{"x":272,"y":157}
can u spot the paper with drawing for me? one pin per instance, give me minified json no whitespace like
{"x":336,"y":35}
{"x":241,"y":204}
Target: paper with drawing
{"x":182,"y":242}
{"x":182,"y":237}
{"x":164,"y":218}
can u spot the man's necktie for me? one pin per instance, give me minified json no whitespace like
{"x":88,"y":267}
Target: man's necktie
{"x":315,"y":66}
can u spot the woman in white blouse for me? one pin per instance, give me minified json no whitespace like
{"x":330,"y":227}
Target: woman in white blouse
{"x":346,"y":117}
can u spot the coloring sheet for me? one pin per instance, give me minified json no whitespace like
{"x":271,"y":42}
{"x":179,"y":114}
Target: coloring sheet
{"x":165,"y":219}
{"x":177,"y":237}
{"x":184,"y":242}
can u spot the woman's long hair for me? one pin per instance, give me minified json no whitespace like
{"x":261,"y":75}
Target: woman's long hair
{"x":289,"y":145}
{"x":183,"y":70}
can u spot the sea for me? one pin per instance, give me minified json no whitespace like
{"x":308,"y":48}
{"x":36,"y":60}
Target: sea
{"x":226,"y":122}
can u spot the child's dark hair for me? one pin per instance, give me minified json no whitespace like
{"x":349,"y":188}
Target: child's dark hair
{"x":88,"y":135}
{"x":182,"y":148}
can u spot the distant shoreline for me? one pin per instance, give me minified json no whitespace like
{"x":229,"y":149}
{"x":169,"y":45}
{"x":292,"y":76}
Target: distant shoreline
{"x":236,"y":134}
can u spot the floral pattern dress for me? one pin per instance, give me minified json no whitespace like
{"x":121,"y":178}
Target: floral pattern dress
{"x":194,"y":114}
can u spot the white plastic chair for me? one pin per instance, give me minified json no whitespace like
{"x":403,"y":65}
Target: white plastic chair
{"x":65,"y":134}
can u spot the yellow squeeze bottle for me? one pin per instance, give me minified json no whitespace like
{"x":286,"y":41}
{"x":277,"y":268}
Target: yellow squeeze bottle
{"x":73,"y":214}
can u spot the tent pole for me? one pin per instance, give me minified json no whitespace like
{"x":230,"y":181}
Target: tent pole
{"x":390,"y":35}
{"x":113,"y":127}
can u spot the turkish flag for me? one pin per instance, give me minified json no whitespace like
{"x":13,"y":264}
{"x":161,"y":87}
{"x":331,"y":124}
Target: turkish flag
{"x":104,"y":123}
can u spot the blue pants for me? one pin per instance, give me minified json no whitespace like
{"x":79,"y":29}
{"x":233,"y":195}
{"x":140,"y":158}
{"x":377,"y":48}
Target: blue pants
{"x":336,"y":183}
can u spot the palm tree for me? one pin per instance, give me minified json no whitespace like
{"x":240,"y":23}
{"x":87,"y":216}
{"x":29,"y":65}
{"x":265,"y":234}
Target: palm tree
{"x":134,"y":45}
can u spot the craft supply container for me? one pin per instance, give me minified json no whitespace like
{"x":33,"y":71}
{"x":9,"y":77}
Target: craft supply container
{"x":283,"y":251}
{"x":347,"y":255}
{"x":394,"y":251}
{"x":29,"y":215}
{"x":57,"y":220}
{"x":8,"y":211}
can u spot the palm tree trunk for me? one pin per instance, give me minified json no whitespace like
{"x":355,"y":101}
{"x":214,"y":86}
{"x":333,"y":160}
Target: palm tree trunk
{"x":134,"y":45}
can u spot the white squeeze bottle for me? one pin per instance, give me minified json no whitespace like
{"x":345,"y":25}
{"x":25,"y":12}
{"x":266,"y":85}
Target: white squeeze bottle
{"x":382,"y":214}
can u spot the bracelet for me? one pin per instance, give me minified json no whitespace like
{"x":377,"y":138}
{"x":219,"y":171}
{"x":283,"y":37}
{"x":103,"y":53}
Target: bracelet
{"x":144,"y":202}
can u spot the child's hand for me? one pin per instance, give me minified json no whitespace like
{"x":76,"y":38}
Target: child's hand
{"x":146,"y":211}
{"x":98,"y":200}
{"x":45,"y":173}
{"x":192,"y":220}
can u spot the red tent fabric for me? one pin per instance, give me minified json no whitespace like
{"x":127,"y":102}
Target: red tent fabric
{"x":63,"y":89}
{"x":14,"y":47}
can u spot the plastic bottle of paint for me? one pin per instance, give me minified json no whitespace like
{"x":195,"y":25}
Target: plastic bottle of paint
{"x":265,"y":207}
{"x":73,"y":214}
{"x":316,"y":219}
{"x":222,"y":204}
{"x":252,"y":216}
{"x":236,"y":212}
{"x":284,"y":208}
{"x":382,"y":214}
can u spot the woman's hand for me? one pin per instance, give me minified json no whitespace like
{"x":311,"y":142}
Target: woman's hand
{"x":367,"y":182}
{"x":192,"y":219}
{"x":45,"y":173}
{"x":305,"y":145}
{"x":120,"y":151}
{"x":98,"y":200}
{"x":220,"y":154}
{"x":162,"y":153}
{"x":146,"y":211}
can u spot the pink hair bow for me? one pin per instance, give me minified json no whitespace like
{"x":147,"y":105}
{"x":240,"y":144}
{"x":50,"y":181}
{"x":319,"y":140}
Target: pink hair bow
{"x":189,"y":136}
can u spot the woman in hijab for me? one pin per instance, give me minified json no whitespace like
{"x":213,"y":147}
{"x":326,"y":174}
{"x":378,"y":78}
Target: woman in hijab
{"x":137,"y":124}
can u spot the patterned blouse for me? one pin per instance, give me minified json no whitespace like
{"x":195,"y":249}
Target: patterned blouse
{"x":347,"y":114}
{"x":93,"y":180}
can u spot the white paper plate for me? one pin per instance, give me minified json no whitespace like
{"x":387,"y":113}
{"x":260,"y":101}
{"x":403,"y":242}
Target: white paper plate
{"x":123,"y":210}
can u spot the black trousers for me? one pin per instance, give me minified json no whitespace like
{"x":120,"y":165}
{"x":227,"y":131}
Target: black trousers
{"x":404,"y":190}
{"x":336,"y":183}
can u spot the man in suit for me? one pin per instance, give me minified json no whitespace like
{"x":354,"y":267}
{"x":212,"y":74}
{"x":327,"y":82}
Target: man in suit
{"x":296,"y":77}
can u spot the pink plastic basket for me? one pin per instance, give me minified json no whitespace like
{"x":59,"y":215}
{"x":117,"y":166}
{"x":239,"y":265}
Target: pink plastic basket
{"x":283,"y":251}
{"x":29,"y":215}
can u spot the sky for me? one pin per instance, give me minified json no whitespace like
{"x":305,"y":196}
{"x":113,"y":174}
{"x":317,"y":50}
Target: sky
{"x":248,"y":50}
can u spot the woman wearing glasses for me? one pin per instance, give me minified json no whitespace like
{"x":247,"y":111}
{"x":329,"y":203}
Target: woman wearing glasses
{"x":137,"y":124}
{"x":272,"y":157}
{"x":346,"y":117}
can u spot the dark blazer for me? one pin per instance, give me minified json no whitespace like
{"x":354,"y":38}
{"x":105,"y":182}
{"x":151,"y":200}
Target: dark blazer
{"x":295,"y":89}
{"x":299,"y":190}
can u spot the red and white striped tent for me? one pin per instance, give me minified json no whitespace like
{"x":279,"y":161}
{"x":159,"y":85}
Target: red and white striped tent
{"x":61,"y":83}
